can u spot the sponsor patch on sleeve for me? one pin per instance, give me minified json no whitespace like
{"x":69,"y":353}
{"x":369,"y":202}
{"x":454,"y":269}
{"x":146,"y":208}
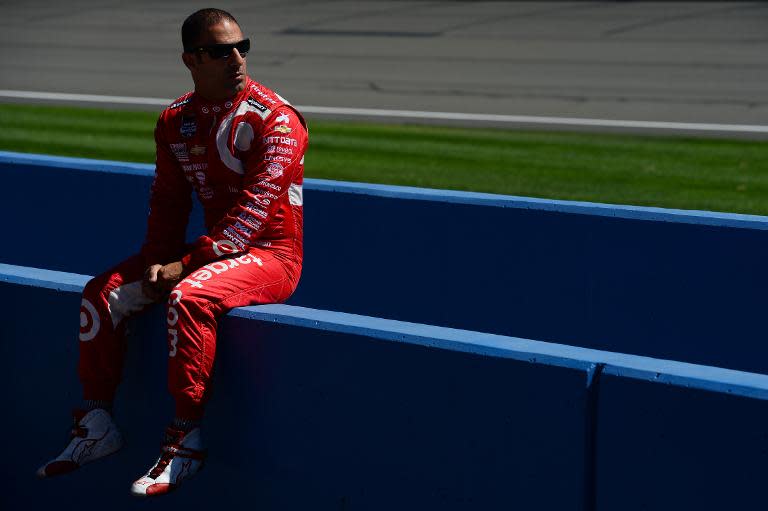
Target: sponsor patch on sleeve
{"x":258,"y":106}
{"x":180,"y":103}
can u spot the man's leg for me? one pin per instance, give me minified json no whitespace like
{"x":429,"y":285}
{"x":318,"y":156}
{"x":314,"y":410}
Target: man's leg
{"x":107,"y":300}
{"x":194,"y":307}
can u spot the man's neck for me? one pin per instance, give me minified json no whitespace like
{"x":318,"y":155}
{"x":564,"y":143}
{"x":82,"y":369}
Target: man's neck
{"x":209,"y":98}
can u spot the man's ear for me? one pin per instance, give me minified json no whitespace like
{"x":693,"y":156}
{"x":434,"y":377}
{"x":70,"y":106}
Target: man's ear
{"x":189,"y":60}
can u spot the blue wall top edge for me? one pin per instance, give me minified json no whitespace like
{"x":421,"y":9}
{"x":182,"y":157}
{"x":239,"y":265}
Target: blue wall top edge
{"x":65,"y":162}
{"x":631,"y":366}
{"x":37,"y":277}
{"x":712,"y":218}
{"x":457,"y":197}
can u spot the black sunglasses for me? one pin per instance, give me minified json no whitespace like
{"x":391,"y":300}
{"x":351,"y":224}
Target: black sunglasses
{"x":222,"y":51}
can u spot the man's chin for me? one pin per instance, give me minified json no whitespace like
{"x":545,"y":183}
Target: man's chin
{"x":224,"y":90}
{"x":238,"y":84}
{"x":235,"y":88}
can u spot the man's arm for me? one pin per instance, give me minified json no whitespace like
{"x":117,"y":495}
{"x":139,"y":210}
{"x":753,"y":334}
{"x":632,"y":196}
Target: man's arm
{"x":265,"y":182}
{"x":169,"y":206}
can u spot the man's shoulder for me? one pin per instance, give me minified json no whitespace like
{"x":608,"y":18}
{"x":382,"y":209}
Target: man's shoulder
{"x":263,"y":103}
{"x":176,"y":118}
{"x":177,"y":107}
{"x":264,"y":95}
{"x":181,"y":102}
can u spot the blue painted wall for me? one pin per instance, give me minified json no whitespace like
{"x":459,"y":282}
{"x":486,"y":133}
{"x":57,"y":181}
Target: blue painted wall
{"x":668,"y":447}
{"x":669,"y":284}
{"x":334,"y":411}
{"x":302,"y":417}
{"x":321,"y":410}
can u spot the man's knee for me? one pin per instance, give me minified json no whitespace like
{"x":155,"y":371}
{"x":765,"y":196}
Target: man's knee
{"x":95,"y":287}
{"x":113,"y":299}
{"x":92,"y":309}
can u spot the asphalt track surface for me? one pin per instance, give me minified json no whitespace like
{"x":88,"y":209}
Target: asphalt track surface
{"x":669,"y":62}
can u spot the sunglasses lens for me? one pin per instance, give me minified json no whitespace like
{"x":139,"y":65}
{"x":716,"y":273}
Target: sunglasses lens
{"x":243,"y":47}
{"x":221,"y":51}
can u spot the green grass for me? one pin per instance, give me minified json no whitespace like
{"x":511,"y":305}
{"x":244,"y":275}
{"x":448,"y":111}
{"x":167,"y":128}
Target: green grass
{"x":673,"y":172}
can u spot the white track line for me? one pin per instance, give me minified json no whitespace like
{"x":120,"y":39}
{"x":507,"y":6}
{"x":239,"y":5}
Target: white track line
{"x":415,"y":114}
{"x":88,"y":98}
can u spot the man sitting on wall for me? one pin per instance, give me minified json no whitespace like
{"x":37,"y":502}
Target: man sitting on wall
{"x":240,"y":147}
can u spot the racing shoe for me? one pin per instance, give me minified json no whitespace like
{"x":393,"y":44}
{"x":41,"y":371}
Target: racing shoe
{"x":94,"y":436}
{"x":182,"y":457}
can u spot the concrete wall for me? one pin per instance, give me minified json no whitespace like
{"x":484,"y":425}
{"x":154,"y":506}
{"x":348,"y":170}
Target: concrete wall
{"x":678,"y":285}
{"x":312,"y":410}
{"x":324,"y":410}
{"x":336,"y":410}
{"x":666,"y":445}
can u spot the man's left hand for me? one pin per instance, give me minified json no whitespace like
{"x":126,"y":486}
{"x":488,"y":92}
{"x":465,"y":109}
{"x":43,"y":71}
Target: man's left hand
{"x":169,"y":275}
{"x":159,"y":280}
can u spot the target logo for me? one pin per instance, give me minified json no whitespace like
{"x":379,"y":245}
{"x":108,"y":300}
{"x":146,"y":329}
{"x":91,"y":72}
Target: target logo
{"x":224,"y":247}
{"x":89,"y":321}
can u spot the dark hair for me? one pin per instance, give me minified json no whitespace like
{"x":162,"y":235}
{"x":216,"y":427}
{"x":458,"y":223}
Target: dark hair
{"x":197,"y":22}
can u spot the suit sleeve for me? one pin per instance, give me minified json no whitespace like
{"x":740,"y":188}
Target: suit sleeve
{"x":169,"y":205}
{"x":265,"y":185}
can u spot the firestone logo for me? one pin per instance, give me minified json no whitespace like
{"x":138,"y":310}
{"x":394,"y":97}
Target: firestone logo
{"x":263,"y":96}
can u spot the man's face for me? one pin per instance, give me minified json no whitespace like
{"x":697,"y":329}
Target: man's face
{"x":218,"y":78}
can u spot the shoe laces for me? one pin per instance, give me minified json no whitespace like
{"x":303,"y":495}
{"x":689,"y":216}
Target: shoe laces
{"x":78,"y":430}
{"x":171,"y":446}
{"x":169,"y":451}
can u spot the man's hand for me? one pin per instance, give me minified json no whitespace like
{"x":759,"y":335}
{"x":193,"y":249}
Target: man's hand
{"x":170,"y":274}
{"x":159,"y":279}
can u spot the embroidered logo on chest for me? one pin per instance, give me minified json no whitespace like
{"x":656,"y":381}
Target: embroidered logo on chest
{"x":188,"y":126}
{"x":180,"y":152}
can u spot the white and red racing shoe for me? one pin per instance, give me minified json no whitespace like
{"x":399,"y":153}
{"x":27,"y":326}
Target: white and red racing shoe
{"x":182,"y":457}
{"x":94,"y":436}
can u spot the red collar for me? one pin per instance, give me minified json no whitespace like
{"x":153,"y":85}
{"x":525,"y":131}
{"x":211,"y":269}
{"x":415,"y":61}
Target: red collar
{"x":205,"y":107}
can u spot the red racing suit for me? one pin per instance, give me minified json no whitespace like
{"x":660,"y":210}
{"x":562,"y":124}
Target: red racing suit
{"x":244,"y":158}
